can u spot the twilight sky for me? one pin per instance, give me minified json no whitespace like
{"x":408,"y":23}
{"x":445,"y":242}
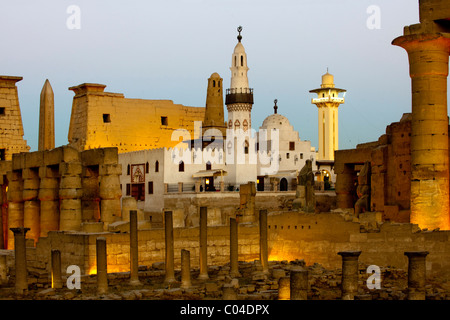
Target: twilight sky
{"x":168,"y":49}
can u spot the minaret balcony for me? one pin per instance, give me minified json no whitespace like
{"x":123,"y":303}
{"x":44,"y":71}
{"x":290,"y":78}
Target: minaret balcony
{"x":239,"y":95}
{"x":328,"y":99}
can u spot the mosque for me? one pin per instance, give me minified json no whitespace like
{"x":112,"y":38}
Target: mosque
{"x":229,"y":153}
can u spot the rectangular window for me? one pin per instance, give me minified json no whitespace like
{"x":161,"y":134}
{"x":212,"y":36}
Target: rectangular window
{"x":164,"y":121}
{"x":106,"y":118}
{"x":128,"y":192}
{"x":2,"y":111}
{"x":150,"y":187}
{"x":287,"y":155}
{"x":301,"y":155}
{"x":292,"y":145}
{"x":2,"y":154}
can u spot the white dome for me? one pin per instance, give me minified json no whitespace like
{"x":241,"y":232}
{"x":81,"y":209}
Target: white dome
{"x":276,"y":121}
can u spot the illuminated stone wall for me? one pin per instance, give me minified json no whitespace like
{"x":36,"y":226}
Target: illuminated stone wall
{"x":103,"y":119}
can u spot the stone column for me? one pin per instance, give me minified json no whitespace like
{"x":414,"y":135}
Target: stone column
{"x":56,"y":270}
{"x":2,"y":200}
{"x":70,"y":193}
{"x":128,"y":204}
{"x":263,"y":250}
{"x":15,"y":204}
{"x":203,"y":244}
{"x":185,"y":269}
{"x":234,"y":252}
{"x":3,"y":270}
{"x":298,"y":284}
{"x":49,"y":200}
{"x":284,"y":288}
{"x":428,"y":54}
{"x":168,"y":225}
{"x":349,"y":284}
{"x":110,"y":193}
{"x":229,"y":292}
{"x":90,"y":199}
{"x":102,"y":271}
{"x":345,"y":187}
{"x":31,"y":211}
{"x":180,"y":187}
{"x":134,"y":253}
{"x":20,"y":255}
{"x":416,"y":274}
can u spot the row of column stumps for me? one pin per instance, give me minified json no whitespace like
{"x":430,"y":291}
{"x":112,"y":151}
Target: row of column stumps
{"x":294,"y":287}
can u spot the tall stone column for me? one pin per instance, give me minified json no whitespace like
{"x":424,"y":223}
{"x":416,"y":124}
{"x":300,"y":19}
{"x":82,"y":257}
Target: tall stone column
{"x":234,"y":252}
{"x":263,"y":249}
{"x":70,"y":193}
{"x":349,"y":284}
{"x":49,"y":200}
{"x":110,"y":193}
{"x":3,"y":270}
{"x":298,"y":284}
{"x":284,"y":288}
{"x":15,"y":204}
{"x":20,"y":256}
{"x":56,"y":270}
{"x":134,"y":253}
{"x":102,"y":271}
{"x":168,"y":227}
{"x":416,"y":274}
{"x":203,"y":244}
{"x":345,"y":188}
{"x":428,"y":53}
{"x":185,"y":269}
{"x":31,"y":211}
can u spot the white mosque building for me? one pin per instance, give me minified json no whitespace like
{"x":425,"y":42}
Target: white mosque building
{"x":271,"y":157}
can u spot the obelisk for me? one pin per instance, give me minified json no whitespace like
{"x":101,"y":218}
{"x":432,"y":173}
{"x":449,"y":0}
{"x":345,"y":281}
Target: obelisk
{"x":47,"y":118}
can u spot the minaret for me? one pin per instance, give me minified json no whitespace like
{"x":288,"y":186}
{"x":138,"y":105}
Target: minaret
{"x":214,"y":117}
{"x":239,"y":98}
{"x":327,"y":102}
{"x":47,"y":118}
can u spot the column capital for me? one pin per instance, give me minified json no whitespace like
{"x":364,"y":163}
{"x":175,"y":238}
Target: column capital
{"x":349,"y":254}
{"x":416,"y":254}
{"x":19,"y":230}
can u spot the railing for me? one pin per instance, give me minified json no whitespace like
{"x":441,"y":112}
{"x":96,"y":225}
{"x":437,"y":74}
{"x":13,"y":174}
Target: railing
{"x":328,"y":99}
{"x":239,"y":90}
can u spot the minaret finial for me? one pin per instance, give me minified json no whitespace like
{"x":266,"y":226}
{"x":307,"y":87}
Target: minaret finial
{"x":239,"y":37}
{"x":275,"y":107}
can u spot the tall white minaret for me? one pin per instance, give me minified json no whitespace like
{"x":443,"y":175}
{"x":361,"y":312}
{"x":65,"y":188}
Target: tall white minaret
{"x":239,"y":98}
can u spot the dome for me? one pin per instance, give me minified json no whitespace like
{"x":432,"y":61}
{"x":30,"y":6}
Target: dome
{"x":239,"y":48}
{"x":276,"y":121}
{"x":215,"y":75}
{"x":327,"y":80}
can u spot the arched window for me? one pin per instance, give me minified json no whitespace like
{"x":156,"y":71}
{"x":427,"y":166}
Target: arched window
{"x":146,"y":167}
{"x":128,"y":170}
{"x":157,"y":166}
{"x":242,"y":61}
{"x":246,"y":147}
{"x":235,"y":61}
{"x":208,"y":166}
{"x":237,"y":124}
{"x":323,"y":95}
{"x":218,"y":83}
{"x":214,"y":83}
{"x":230,"y":124}
{"x":181,"y":167}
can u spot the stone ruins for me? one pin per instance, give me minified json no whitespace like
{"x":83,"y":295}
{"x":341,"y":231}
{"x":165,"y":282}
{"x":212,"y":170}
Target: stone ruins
{"x":68,"y":233}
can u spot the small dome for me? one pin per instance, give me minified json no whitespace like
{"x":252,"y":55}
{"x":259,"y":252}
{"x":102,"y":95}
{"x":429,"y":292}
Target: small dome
{"x":215,"y":75}
{"x":275,"y":121}
{"x":239,"y":48}
{"x":327,"y":80}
